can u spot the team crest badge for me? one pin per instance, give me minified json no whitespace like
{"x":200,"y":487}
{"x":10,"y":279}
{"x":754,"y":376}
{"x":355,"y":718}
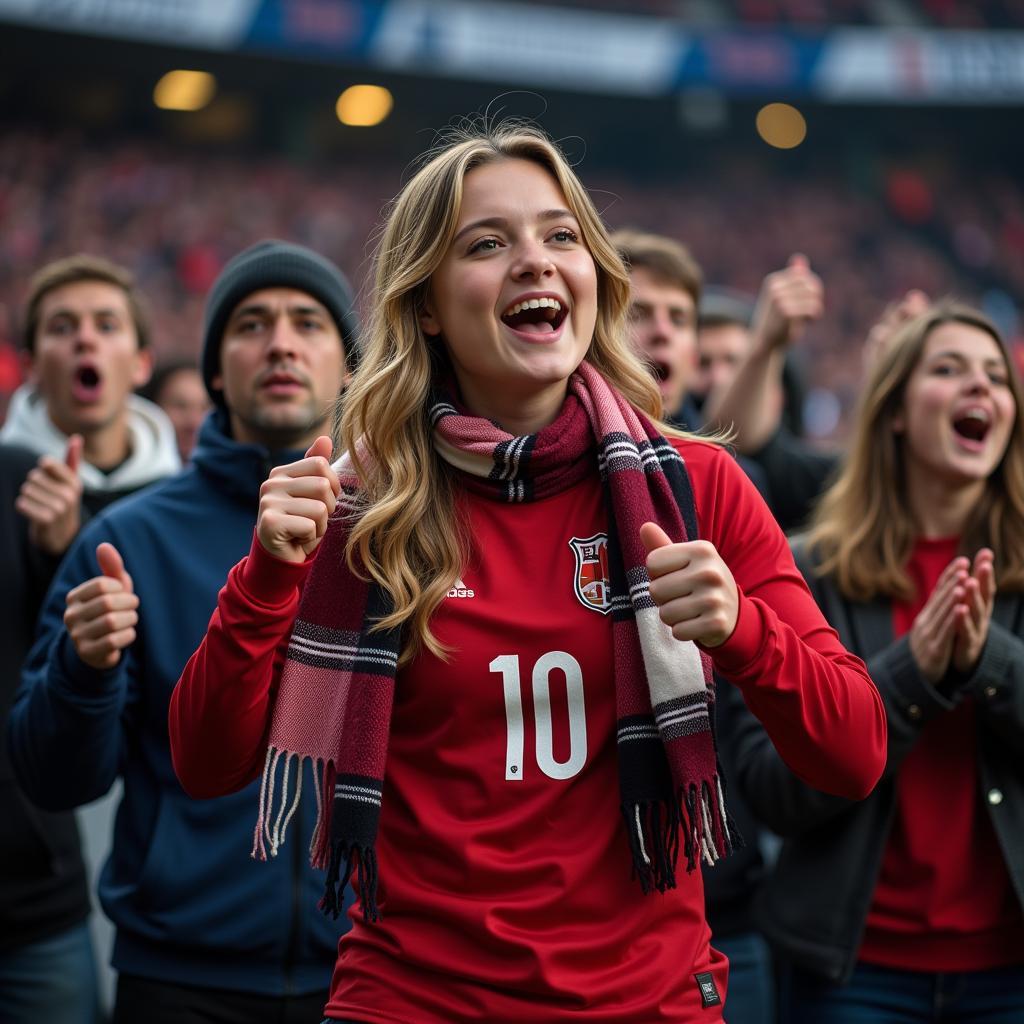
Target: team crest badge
{"x":591,"y":578}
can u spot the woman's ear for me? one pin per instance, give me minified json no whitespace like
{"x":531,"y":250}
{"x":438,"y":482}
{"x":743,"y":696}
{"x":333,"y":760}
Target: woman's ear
{"x":897,"y":424}
{"x":429,"y":323}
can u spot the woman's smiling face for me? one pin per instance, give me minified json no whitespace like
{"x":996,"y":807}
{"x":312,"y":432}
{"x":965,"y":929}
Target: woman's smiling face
{"x":515,"y":297}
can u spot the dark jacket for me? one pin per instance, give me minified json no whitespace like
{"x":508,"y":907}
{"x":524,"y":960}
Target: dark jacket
{"x":816,"y":903}
{"x":732,"y":883}
{"x":43,"y":888}
{"x":189,"y":904}
{"x":796,"y":475}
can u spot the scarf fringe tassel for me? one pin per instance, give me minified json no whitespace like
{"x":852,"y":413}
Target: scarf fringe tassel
{"x":654,"y":828}
{"x":280,"y":793}
{"x":283,"y":796}
{"x":364,"y":860}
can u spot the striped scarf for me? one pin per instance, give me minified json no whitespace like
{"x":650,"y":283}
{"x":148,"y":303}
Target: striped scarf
{"x":338,"y":682}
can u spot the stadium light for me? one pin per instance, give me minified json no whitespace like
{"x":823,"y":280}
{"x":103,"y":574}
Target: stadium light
{"x":363,"y":106}
{"x":781,"y":125}
{"x":184,"y":90}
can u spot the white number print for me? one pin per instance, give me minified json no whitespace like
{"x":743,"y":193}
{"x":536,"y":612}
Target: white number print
{"x":569,"y":667}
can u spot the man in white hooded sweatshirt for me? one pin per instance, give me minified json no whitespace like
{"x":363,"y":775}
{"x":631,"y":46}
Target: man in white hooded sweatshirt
{"x":87,"y":340}
{"x":76,"y":439}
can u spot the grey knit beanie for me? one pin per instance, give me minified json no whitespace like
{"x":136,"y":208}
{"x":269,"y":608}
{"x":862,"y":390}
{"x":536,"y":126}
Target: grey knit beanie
{"x":275,"y":264}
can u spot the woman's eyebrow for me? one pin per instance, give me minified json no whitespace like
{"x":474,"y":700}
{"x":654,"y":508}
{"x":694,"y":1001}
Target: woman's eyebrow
{"x":502,"y":222}
{"x":988,"y":362}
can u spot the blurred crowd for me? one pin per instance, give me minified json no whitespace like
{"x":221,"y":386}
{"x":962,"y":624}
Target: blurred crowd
{"x":175,"y":216}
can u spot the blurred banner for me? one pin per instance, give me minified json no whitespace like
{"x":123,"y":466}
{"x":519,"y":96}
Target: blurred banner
{"x":216,"y":26}
{"x":568,"y":48}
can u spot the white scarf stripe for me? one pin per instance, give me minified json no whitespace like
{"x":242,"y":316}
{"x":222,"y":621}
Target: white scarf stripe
{"x":347,"y":787}
{"x":631,"y":729}
{"x":674,"y":668}
{"x":509,"y":464}
{"x":680,"y":713}
{"x":330,"y":648}
{"x":360,"y":799}
{"x":296,"y":647}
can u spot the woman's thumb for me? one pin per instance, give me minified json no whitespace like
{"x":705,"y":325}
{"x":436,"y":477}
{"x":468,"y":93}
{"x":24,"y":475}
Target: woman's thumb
{"x":652,"y":536}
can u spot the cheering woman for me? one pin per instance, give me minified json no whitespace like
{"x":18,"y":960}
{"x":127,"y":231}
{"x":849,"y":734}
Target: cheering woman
{"x":492,"y":626}
{"x":907,"y":906}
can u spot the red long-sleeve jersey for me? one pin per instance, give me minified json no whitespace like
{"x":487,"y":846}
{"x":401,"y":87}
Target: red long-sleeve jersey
{"x":505,"y":884}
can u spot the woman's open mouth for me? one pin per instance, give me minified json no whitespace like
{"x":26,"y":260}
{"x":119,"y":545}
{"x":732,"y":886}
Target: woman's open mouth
{"x":661,"y":370}
{"x":972,"y":427}
{"x":535,"y":316}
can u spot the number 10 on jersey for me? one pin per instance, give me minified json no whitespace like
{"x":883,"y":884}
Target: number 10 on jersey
{"x":508,"y":666}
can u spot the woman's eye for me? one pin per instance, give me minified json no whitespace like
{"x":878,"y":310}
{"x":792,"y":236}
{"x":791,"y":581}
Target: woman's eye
{"x":565,"y":235}
{"x":484,"y":245}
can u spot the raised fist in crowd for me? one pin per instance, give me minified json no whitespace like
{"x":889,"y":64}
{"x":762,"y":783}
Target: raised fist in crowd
{"x":895,"y":315}
{"x":295,"y":503}
{"x":788,"y":301}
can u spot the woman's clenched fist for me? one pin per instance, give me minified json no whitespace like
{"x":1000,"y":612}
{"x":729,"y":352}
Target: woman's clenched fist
{"x":295,"y":503}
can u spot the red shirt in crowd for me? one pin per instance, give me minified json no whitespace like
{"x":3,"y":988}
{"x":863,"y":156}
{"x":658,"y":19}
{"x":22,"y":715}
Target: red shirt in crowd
{"x":505,"y":870}
{"x":944,"y":900}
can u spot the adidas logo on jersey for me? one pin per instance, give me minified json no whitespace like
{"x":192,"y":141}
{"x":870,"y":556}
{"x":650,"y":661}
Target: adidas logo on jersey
{"x":461,"y":590}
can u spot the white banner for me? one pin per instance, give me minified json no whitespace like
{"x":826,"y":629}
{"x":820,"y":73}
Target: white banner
{"x":530,"y":43}
{"x":210,"y":24}
{"x":922,"y":67}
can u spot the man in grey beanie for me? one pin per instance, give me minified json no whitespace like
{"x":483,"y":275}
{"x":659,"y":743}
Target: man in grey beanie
{"x":274,"y":264}
{"x":204,"y":933}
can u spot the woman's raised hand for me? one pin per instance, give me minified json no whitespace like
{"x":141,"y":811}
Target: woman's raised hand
{"x":975,"y":612}
{"x":692,"y":586}
{"x":295,"y":503}
{"x":935,"y":628}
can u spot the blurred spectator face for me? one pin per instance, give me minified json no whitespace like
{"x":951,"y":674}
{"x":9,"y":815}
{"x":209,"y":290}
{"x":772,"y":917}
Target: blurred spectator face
{"x":87,"y":358}
{"x":722,"y":348}
{"x":282,"y":365}
{"x":662,"y":328}
{"x":958,"y":409}
{"x":183,"y":397}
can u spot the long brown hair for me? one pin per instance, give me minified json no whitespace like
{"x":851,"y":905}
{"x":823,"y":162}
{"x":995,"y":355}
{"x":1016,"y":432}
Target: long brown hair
{"x":408,"y":534}
{"x":863,"y":531}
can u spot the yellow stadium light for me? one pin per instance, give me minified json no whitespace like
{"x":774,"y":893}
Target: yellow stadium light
{"x":363,"y":106}
{"x":781,"y":125}
{"x":184,"y":90}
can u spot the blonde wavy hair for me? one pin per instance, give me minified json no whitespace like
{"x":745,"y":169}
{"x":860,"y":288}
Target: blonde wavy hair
{"x":407,"y":533}
{"x":863,"y":531}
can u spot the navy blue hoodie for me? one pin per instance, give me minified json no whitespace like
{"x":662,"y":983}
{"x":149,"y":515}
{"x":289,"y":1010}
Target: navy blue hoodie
{"x":189,"y":904}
